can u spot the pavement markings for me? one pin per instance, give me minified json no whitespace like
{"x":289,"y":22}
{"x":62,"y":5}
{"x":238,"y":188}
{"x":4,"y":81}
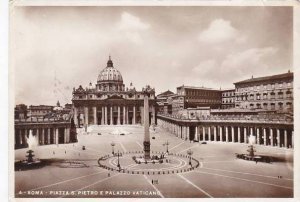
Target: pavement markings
{"x":159,"y":193}
{"x":124,"y":149}
{"x":189,"y":148}
{"x":207,"y":194}
{"x":247,"y":180}
{"x":176,"y":146}
{"x":230,"y":171}
{"x":139,"y":144}
{"x":64,"y":181}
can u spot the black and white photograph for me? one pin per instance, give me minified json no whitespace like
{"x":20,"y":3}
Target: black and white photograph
{"x":152,"y":101}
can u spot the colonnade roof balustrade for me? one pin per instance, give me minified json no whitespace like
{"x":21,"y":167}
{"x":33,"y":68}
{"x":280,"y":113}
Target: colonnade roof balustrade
{"x":227,"y":119}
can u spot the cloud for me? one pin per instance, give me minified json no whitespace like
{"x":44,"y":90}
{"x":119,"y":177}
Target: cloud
{"x":234,"y":67}
{"x":132,"y":26}
{"x":220,"y":31}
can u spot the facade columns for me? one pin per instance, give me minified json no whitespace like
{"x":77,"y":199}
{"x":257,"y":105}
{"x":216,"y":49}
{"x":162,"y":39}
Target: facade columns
{"x":127,"y":119}
{"x":111,"y":115}
{"x":239,"y":134}
{"x":278,"y":138}
{"x":95,"y":115}
{"x":265,"y":136}
{"x":232,"y":134}
{"x":196,"y":133}
{"x":251,"y":131}
{"x":257,"y":136}
{"x":142,"y":114}
{"x":86,"y":116}
{"x":75,"y":116}
{"x":203,"y":130}
{"x":187,"y":132}
{"x":105,"y":115}
{"x":285,"y":139}
{"x":271,"y":137}
{"x":119,"y":114}
{"x":209,"y":133}
{"x":65,"y":135}
{"x":133,"y":120}
{"x":124,"y":115}
{"x":102,"y":115}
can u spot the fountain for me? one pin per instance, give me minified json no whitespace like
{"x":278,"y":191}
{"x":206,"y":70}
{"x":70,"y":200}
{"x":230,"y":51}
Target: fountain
{"x":30,"y":162}
{"x":251,"y":152}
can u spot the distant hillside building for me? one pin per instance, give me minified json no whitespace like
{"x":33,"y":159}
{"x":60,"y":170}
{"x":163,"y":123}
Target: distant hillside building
{"x":39,"y":111}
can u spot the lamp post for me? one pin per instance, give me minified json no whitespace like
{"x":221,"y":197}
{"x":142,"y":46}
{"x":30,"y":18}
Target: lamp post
{"x":167,"y":144}
{"x":112,"y":145}
{"x":118,"y":161}
{"x":190,"y":153}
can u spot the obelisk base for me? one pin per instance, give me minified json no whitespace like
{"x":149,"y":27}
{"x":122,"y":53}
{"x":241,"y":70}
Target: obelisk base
{"x":147,"y":150}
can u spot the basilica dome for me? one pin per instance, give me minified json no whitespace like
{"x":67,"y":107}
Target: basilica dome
{"x":109,"y":73}
{"x":110,"y":79}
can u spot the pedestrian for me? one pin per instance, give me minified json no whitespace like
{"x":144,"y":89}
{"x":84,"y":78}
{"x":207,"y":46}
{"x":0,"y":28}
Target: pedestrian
{"x":53,"y":152}
{"x":65,"y":151}
{"x":152,"y":181}
{"x":108,"y":175}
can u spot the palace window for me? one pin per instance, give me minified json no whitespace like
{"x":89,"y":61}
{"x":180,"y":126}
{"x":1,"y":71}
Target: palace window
{"x":280,"y":95}
{"x":280,"y":85}
{"x":265,"y":96}
{"x":280,"y":104}
{"x":272,"y":106}
{"x":273,"y":86}
{"x":258,"y":106}
{"x":272,"y":95}
{"x":251,"y":96}
{"x":258,"y":96}
{"x":265,"y":105}
{"x":288,"y":94}
{"x":289,"y":105}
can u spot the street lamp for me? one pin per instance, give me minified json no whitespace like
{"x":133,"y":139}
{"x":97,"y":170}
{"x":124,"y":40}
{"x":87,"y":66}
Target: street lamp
{"x":167,"y":144}
{"x":119,"y":166}
{"x":190,"y":153}
{"x":112,"y":145}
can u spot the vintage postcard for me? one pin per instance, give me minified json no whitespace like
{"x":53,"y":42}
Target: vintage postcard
{"x":153,"y":101}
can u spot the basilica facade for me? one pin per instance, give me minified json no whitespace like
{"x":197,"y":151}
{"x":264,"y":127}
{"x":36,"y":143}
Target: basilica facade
{"x":109,"y":102}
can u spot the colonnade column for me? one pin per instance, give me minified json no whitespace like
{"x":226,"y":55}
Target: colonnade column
{"x":221,"y":135}
{"x":49,"y":135}
{"x":95,"y":115}
{"x":127,"y":119}
{"x":43,"y":136}
{"x":133,"y":120}
{"x":196,"y":133}
{"x":209,"y":133}
{"x":271,"y":137}
{"x":38,"y":136}
{"x":226,"y":133}
{"x":215,"y":133}
{"x":56,"y":135}
{"x":278,"y":138}
{"x":285,"y":139}
{"x":265,"y":136}
{"x":258,"y":136}
{"x":65,"y":135}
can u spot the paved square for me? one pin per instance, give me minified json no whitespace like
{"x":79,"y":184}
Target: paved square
{"x":220,"y":174}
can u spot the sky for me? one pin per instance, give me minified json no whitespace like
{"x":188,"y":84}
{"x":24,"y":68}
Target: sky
{"x":57,"y":48}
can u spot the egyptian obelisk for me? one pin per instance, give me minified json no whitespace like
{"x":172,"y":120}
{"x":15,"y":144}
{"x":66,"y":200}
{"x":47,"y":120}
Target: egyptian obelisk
{"x":146,"y":123}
